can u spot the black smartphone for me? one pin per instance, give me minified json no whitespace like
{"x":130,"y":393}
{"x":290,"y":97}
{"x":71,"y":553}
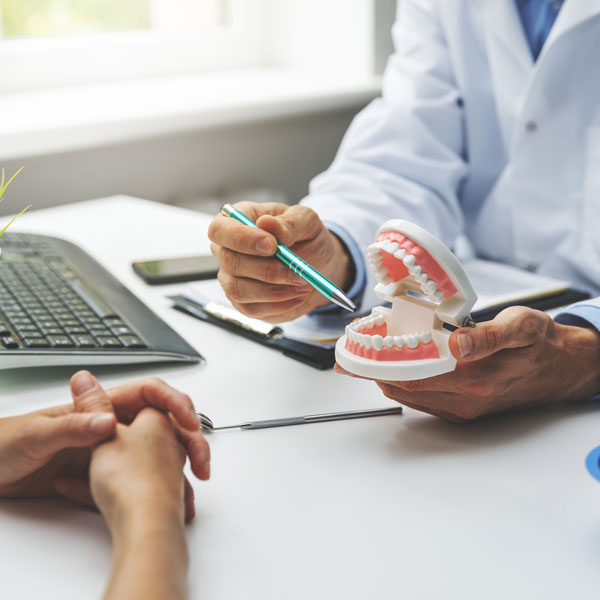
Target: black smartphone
{"x":177,"y":270}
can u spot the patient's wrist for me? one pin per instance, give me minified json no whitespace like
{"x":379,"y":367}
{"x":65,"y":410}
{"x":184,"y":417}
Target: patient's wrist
{"x":157,"y":522}
{"x":151,"y":516}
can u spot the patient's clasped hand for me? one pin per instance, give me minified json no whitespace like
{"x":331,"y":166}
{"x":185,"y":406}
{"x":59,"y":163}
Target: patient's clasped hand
{"x":123,"y":451}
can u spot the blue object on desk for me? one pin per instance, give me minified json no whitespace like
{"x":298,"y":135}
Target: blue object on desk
{"x":592,"y":462}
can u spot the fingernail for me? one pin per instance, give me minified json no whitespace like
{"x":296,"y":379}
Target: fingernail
{"x":465,"y":344}
{"x":101,"y":424}
{"x":82,"y":382}
{"x":264,"y":246}
{"x":207,"y":468}
{"x":194,"y":416}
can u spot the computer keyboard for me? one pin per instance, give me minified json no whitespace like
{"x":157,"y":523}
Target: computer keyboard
{"x":60,"y":306}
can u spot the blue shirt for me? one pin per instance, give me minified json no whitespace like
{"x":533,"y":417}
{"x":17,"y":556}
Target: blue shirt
{"x":537,"y":18}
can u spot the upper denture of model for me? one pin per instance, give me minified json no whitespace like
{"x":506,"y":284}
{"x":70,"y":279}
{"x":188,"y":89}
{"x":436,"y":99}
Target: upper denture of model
{"x":395,"y":258}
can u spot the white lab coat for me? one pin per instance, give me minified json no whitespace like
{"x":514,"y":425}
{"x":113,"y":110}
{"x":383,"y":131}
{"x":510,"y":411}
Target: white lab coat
{"x":470,"y":136}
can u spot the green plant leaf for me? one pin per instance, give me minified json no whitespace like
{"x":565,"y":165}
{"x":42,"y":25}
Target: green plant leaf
{"x":3,"y":186}
{"x":13,"y":220}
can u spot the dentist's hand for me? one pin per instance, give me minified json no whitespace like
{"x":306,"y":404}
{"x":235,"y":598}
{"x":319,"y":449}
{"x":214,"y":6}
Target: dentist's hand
{"x":521,"y":358}
{"x":258,"y":284}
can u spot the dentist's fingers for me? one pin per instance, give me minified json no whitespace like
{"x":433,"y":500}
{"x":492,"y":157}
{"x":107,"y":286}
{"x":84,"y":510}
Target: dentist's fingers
{"x":229,"y":233}
{"x":476,"y":379}
{"x":514,"y":327}
{"x":448,"y":406}
{"x":88,"y":395}
{"x":276,"y":312}
{"x":254,"y":267}
{"x":249,"y":291}
{"x":297,"y":224}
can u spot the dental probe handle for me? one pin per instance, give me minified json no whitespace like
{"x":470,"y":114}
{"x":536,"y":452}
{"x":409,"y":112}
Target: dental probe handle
{"x":274,"y":423}
{"x":336,"y":416}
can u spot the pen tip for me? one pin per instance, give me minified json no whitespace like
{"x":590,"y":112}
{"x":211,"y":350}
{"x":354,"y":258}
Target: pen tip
{"x":226,"y":209}
{"x":343,"y":301}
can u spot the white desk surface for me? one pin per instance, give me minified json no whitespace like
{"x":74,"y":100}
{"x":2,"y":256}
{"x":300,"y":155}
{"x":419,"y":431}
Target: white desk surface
{"x":394,"y":507}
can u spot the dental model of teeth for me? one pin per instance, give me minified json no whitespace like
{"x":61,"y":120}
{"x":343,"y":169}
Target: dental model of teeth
{"x":427,"y":287}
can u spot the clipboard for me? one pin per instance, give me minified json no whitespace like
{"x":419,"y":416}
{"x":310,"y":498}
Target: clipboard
{"x":315,"y":355}
{"x":542,"y":302}
{"x":321,"y":356}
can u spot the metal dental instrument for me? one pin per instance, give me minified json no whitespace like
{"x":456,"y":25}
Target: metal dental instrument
{"x":207,"y":424}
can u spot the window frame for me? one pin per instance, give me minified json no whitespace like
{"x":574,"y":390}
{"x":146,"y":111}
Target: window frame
{"x":111,"y":57}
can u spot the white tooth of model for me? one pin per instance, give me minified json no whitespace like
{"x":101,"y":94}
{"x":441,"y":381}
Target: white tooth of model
{"x":411,"y":340}
{"x":377,"y":342}
{"x":430,"y":286}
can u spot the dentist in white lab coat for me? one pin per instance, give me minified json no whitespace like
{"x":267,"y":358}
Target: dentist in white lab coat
{"x":489,"y":126}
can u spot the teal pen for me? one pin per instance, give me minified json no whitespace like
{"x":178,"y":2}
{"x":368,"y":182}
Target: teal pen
{"x":299,"y":266}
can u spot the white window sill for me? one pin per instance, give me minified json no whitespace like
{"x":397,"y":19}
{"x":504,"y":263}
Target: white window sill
{"x":50,"y":121}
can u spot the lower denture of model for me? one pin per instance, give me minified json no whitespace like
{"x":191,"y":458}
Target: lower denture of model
{"x":395,"y":258}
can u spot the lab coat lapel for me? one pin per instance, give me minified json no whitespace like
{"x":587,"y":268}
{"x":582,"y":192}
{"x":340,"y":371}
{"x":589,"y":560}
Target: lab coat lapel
{"x":573,"y":13}
{"x":510,"y":59}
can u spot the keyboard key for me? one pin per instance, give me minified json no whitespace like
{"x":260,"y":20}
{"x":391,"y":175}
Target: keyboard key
{"x":24,"y":330}
{"x":132,"y":341}
{"x":60,"y":341}
{"x":121,"y":331}
{"x":109,"y":342}
{"x":100,"y":331}
{"x":52,"y":331}
{"x":92,"y":321}
{"x":114,"y":322}
{"x":36,"y":342}
{"x":70,"y":323}
{"x":84,"y":341}
{"x":9,"y":342}
{"x":47,"y":323}
{"x":76,"y":330}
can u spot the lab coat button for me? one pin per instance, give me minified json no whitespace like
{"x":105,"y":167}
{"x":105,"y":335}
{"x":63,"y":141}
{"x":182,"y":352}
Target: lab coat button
{"x":531,"y":126}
